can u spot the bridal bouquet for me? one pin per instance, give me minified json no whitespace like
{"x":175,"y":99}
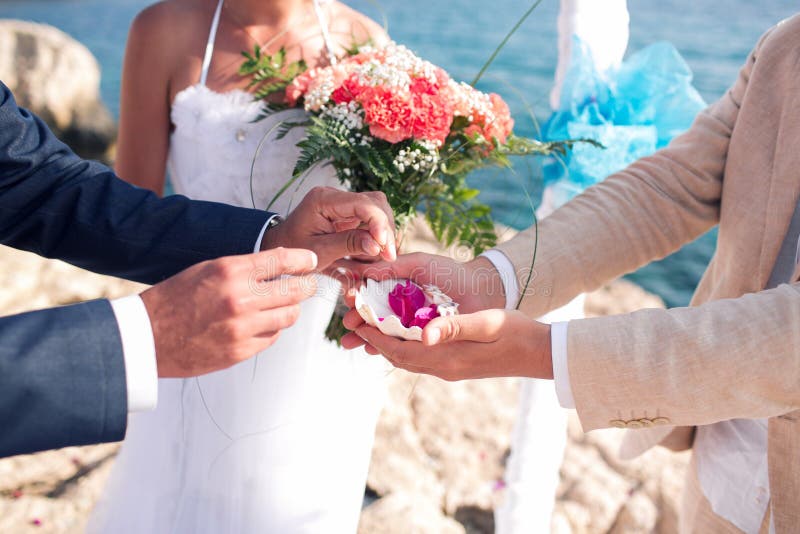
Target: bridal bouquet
{"x":387,"y":120}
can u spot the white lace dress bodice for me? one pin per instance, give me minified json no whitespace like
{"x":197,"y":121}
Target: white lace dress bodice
{"x":214,"y":143}
{"x":279,"y":443}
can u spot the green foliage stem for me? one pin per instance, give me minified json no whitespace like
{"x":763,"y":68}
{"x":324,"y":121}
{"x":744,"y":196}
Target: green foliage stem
{"x":270,"y":74}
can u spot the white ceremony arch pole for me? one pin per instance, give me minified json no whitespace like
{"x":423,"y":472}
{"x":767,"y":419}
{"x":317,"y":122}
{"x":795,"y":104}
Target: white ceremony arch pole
{"x":603,"y":25}
{"x":540,"y":433}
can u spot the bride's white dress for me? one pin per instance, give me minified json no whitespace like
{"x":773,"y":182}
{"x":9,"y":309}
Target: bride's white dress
{"x":280,"y":443}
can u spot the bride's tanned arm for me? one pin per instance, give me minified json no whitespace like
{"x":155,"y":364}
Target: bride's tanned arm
{"x":145,"y":97}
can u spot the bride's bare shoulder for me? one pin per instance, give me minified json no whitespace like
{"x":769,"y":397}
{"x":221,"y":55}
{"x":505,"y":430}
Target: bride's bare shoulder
{"x":169,"y":37}
{"x":360,"y":27}
{"x":173,"y":23}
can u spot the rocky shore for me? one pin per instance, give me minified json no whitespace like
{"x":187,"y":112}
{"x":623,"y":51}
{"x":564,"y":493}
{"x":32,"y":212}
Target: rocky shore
{"x":57,"y":78}
{"x":439,"y":454}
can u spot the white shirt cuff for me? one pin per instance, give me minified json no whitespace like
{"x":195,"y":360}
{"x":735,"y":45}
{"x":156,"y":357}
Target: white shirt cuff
{"x":139,"y":352}
{"x":558,"y":347}
{"x":261,"y":234}
{"x":507,"y":275}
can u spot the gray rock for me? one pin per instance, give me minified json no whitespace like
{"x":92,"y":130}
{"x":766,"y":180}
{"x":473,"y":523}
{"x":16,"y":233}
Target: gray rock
{"x":32,"y":282}
{"x":638,"y":516}
{"x":572,"y":517}
{"x":400,"y":463}
{"x":401,"y":513}
{"x":52,"y":491}
{"x":57,"y":78}
{"x":599,"y":489}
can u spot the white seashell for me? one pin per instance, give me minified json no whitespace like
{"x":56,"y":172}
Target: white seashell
{"x":447,"y":309}
{"x":372,"y":302}
{"x":436,"y":295}
{"x":444,"y":304}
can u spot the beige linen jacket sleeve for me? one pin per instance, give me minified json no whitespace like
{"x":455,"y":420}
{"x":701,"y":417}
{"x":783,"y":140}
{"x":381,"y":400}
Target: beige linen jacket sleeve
{"x":688,"y":366}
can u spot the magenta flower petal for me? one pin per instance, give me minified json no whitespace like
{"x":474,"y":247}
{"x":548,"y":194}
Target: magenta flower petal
{"x":415,"y":294}
{"x":405,"y":300}
{"x":400,"y":306}
{"x":396,"y":301}
{"x":423,"y":316}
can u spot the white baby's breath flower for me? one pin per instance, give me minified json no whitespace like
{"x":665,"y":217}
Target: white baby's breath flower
{"x":395,"y":68}
{"x":468,"y":101}
{"x":420,"y":160}
{"x":350,"y":114}
{"x":320,"y":92}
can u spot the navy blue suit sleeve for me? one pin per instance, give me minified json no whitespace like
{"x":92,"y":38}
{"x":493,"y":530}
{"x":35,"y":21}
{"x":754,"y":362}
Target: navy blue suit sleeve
{"x":57,"y":205}
{"x":62,"y":378}
{"x":62,"y":374}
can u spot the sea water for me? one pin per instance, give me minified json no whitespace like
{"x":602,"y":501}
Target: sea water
{"x":713,"y":36}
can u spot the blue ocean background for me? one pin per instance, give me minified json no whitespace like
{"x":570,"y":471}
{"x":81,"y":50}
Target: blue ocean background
{"x":713,"y":36}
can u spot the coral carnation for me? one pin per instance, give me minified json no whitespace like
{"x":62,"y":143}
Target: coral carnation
{"x":297,"y":89}
{"x":347,"y":91}
{"x":433,"y":116}
{"x":502,"y":124}
{"x":388,"y":114}
{"x":423,"y":86}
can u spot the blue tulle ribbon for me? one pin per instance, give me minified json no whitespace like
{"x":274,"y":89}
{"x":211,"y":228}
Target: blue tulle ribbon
{"x":633,"y":111}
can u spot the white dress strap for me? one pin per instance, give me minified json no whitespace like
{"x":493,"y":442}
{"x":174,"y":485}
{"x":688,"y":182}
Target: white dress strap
{"x":323,"y":24}
{"x":212,"y":35}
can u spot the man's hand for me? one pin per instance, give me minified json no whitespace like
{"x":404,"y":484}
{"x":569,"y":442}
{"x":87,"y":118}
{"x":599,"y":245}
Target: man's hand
{"x":335,"y":224}
{"x":475,"y":285}
{"x":486,"y":344}
{"x":219,"y":313}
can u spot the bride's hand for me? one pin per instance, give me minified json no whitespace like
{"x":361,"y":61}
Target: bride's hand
{"x":335,"y":224}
